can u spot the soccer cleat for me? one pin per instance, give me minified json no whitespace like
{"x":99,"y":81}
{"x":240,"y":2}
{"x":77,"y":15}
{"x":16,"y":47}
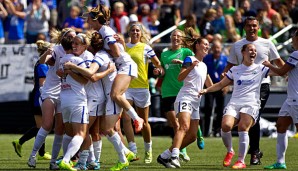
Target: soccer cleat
{"x":175,"y":161}
{"x":228,"y":159}
{"x":148,"y":157}
{"x":184,"y":156}
{"x":200,"y":139}
{"x":32,"y":161}
{"x":239,"y":165}
{"x":138,"y":123}
{"x":46,"y":156}
{"x":130,"y":156}
{"x":93,"y":165}
{"x":80,"y":166}
{"x":276,"y":166}
{"x":66,"y":166}
{"x":54,"y":166}
{"x":120,"y":166}
{"x":255,"y":158}
{"x":17,"y":147}
{"x":165,"y":162}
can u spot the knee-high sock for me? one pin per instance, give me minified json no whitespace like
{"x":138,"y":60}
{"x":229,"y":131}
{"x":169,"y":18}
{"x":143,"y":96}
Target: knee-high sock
{"x":40,"y":139}
{"x":83,"y":157}
{"x":91,"y":156}
{"x":56,"y":147}
{"x":243,"y":145}
{"x":116,"y":141}
{"x":132,"y":146}
{"x":227,"y":140}
{"x":281,"y":147}
{"x":97,"y":145}
{"x":65,"y":142}
{"x":73,"y":147}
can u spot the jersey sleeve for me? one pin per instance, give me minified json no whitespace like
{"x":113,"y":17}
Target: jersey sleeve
{"x":265,"y":71}
{"x":229,"y":74}
{"x":107,"y":35}
{"x":293,"y":59}
{"x":149,"y":52}
{"x":232,"y":58}
{"x":98,"y":59}
{"x":187,"y":62}
{"x":273,"y":54}
{"x":81,"y":63}
{"x":42,"y":70}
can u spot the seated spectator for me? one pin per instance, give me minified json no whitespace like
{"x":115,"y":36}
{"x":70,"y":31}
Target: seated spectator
{"x":38,"y":16}
{"x":17,"y":21}
{"x":3,"y":14}
{"x":144,"y":16}
{"x":119,"y":18}
{"x":74,"y":21}
{"x":267,"y":7}
{"x":277,"y":25}
{"x":219,"y":22}
{"x":231,"y":34}
{"x":238,"y":20}
{"x":153,"y":25}
{"x":283,"y":11}
{"x":248,"y":11}
{"x":190,"y":22}
{"x":206,"y":29}
{"x":228,"y":8}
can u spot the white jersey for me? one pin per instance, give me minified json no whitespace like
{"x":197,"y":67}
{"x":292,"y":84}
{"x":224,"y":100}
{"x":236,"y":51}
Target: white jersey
{"x":292,"y":91}
{"x":52,"y":85}
{"x":94,"y":90}
{"x":72,"y":92}
{"x":247,"y":83}
{"x":266,"y":51}
{"x":102,"y":58}
{"x":107,"y":34}
{"x":193,"y":83}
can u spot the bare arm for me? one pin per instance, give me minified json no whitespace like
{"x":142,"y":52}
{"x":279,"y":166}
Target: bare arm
{"x":115,"y":51}
{"x":79,"y":78}
{"x":208,"y":82}
{"x":229,"y":66}
{"x":215,"y":87}
{"x":97,"y":76}
{"x":88,"y":72}
{"x":279,"y":62}
{"x":185,"y":71}
{"x":159,"y":69}
{"x":3,"y":12}
{"x":280,"y":71}
{"x":44,"y":58}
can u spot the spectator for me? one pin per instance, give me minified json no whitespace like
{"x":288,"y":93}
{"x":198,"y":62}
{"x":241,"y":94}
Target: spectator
{"x":277,"y":25}
{"x":74,"y":21}
{"x":199,"y":8}
{"x":283,"y":11}
{"x":293,"y":10}
{"x":119,"y":19}
{"x":248,"y":11}
{"x":130,"y":6}
{"x":219,"y":22}
{"x":37,"y":18}
{"x":190,"y":22}
{"x":3,"y":14}
{"x":144,"y":16}
{"x":216,"y":62}
{"x":169,"y":15}
{"x":238,"y":20}
{"x":206,"y":29}
{"x":17,"y":21}
{"x":268,"y":8}
{"x":64,"y":8}
{"x":231,"y":34}
{"x":153,"y":25}
{"x":228,"y":8}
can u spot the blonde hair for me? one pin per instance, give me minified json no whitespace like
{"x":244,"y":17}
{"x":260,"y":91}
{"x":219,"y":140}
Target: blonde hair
{"x":42,"y":46}
{"x":103,"y":14}
{"x":57,"y":36}
{"x":83,"y":38}
{"x":145,"y":37}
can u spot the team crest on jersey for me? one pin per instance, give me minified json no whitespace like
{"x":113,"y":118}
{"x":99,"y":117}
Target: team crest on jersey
{"x":179,"y":55}
{"x":167,"y":66}
{"x":254,"y":72}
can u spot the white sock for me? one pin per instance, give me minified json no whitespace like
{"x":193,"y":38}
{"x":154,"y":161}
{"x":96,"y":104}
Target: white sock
{"x":175,"y":152}
{"x":148,"y":146}
{"x":281,"y":147}
{"x":97,"y":145}
{"x":83,"y":157}
{"x":132,"y":113}
{"x":132,"y":146}
{"x":166,"y":154}
{"x":73,"y":147}
{"x":91,"y":156}
{"x":66,"y":140}
{"x":227,"y":140}
{"x":243,"y":145}
{"x":116,"y":141}
{"x":56,"y":147}
{"x":39,"y":140}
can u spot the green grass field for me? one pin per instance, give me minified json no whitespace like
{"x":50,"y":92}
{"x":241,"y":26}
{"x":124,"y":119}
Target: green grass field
{"x":208,"y":159}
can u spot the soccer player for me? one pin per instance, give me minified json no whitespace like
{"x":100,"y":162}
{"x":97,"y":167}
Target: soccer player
{"x":102,"y":64}
{"x":73,"y":103}
{"x":138,"y":90}
{"x":40,"y":71}
{"x":50,"y":96}
{"x":288,"y":113}
{"x":187,"y":104}
{"x":266,"y":51}
{"x":244,"y":105}
{"x":98,"y":19}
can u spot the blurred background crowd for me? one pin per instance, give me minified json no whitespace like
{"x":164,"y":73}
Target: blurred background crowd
{"x":25,"y":21}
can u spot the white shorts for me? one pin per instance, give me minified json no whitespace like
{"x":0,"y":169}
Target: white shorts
{"x":289,"y":110}
{"x":140,"y":96}
{"x":75,"y":114}
{"x":57,"y":104}
{"x":186,"y":106}
{"x":128,"y":68}
{"x":235,"y":110}
{"x":95,"y":107}
{"x":112,"y":108}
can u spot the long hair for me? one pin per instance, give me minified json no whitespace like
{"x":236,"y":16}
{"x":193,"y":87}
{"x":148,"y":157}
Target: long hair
{"x":42,"y":46}
{"x":145,"y":37}
{"x":57,"y":36}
